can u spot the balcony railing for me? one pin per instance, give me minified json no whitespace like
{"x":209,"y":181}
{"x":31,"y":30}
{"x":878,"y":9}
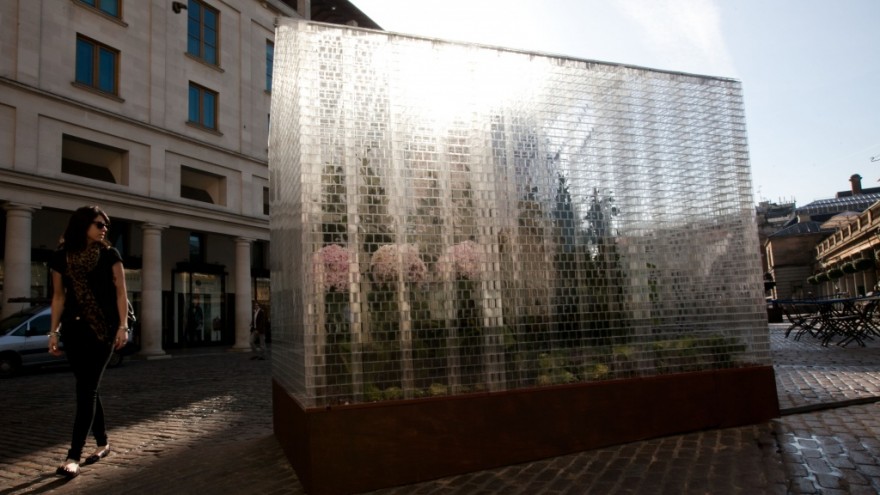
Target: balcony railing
{"x":852,"y":236}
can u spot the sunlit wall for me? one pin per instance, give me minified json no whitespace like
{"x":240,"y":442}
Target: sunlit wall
{"x":450,"y":218}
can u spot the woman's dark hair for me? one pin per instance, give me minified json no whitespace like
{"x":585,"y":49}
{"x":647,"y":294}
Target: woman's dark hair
{"x":76,"y":234}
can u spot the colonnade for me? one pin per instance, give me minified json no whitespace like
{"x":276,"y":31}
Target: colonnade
{"x":17,"y":277}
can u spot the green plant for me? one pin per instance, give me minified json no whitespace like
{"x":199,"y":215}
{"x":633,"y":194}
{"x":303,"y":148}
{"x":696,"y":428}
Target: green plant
{"x":555,"y":368}
{"x":372,"y":393}
{"x":438,"y":389}
{"x":849,"y":267}
{"x":695,"y":353}
{"x":596,"y":372}
{"x":834,"y":273}
{"x":392,"y":393}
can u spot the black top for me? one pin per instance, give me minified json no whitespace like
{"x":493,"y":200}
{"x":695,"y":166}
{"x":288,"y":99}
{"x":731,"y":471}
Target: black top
{"x":100,"y":281}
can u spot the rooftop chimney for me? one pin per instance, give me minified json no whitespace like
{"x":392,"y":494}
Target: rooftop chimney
{"x":856,"y":181}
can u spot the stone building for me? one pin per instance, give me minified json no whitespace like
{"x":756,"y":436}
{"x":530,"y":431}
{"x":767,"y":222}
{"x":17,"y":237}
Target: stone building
{"x":790,"y":253}
{"x":852,"y":249}
{"x":158,"y":112}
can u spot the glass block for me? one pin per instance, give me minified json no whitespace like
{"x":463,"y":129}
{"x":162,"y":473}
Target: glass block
{"x":451,"y":219}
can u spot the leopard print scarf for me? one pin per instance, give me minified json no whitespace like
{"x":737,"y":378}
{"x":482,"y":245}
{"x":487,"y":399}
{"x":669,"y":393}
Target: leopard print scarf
{"x":78,"y":267}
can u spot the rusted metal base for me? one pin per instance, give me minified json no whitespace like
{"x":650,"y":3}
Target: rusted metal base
{"x":363,"y":447}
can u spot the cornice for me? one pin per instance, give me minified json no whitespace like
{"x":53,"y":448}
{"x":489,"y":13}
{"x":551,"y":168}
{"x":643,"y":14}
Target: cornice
{"x":54,"y":193}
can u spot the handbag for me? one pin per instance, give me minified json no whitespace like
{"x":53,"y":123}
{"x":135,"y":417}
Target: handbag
{"x":131,"y":319}
{"x":130,"y":346}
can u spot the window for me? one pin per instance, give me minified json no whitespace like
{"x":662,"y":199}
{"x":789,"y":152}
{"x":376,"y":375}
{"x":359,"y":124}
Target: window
{"x":93,"y":160}
{"x":202,"y":26}
{"x":265,"y":201}
{"x":39,"y":325}
{"x":270,"y":62}
{"x":109,"y":7}
{"x":259,"y":255}
{"x":196,"y":248}
{"x":202,"y":106}
{"x":96,"y":65}
{"x":202,"y":186}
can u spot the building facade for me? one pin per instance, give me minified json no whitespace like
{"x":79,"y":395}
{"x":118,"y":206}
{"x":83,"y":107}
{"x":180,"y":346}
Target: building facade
{"x":847,"y":259}
{"x":822,"y":242}
{"x":791,"y":256}
{"x":158,"y":112}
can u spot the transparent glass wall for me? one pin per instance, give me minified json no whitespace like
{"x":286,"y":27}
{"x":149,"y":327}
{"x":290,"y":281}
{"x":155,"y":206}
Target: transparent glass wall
{"x":450,"y":219}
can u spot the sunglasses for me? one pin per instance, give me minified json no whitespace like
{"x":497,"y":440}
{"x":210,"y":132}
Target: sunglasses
{"x":102,"y":225}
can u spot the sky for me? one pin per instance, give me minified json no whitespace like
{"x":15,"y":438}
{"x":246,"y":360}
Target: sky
{"x":810,"y":69}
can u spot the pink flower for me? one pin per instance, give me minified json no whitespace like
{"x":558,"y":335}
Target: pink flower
{"x":465,"y":257}
{"x":389,"y":260}
{"x":333,"y":260}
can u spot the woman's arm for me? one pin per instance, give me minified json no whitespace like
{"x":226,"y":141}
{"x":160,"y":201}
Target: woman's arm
{"x":57,"y":310}
{"x":121,"y":305}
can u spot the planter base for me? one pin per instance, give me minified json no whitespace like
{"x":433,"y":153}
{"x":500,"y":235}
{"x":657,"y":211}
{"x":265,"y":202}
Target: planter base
{"x":363,"y":447}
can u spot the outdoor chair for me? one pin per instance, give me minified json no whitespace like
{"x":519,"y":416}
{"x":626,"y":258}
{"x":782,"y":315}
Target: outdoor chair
{"x":802,"y":318}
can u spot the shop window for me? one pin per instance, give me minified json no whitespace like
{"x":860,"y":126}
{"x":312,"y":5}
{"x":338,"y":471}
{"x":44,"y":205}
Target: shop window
{"x":93,"y":160}
{"x":199,"y":311}
{"x":202,"y":186}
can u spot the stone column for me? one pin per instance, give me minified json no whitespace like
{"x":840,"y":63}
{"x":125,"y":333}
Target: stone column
{"x":150,"y":318}
{"x":243,"y":296}
{"x":17,"y":269}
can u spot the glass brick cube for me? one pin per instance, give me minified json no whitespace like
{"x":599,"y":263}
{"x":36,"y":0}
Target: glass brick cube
{"x":450,"y":219}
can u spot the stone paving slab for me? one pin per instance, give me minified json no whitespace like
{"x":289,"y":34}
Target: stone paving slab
{"x":833,"y":451}
{"x":202,"y":424}
{"x":808,"y":374}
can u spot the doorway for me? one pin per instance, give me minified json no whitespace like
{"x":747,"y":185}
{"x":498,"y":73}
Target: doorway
{"x":199,"y":310}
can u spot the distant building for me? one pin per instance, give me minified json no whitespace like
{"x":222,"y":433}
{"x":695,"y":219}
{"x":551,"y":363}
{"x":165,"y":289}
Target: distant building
{"x":771,"y":218}
{"x":790,"y":254}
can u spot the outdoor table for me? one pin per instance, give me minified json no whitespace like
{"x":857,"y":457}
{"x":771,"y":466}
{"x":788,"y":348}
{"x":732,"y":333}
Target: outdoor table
{"x":847,"y":319}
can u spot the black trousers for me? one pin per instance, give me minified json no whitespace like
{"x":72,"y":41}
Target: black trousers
{"x":88,"y":357}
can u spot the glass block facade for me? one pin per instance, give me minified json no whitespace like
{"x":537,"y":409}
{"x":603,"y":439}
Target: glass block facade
{"x":449,"y":219}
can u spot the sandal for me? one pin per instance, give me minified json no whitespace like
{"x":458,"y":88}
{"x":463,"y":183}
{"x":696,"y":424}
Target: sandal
{"x":97,"y":456}
{"x":70,"y":468}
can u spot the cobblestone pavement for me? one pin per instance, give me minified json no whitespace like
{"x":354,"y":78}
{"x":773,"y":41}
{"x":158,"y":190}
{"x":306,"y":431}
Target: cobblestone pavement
{"x":202,"y":424}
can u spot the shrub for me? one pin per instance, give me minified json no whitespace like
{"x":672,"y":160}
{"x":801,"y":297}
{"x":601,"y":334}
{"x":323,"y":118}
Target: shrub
{"x":465,"y":257}
{"x":333,"y":260}
{"x":388,"y":261}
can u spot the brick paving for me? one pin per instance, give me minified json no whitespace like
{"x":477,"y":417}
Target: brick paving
{"x":202,"y":424}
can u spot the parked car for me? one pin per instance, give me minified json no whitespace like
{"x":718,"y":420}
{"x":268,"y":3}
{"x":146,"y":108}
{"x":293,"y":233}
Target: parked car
{"x":24,"y":342}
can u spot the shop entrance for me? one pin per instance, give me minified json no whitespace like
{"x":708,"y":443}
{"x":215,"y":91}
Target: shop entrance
{"x":199,"y":310}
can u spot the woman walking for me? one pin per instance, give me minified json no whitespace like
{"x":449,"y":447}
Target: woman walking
{"x":90,"y":304}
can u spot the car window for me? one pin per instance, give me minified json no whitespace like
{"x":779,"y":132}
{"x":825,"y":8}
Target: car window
{"x":21,"y":331}
{"x":40,"y":325}
{"x":13,"y":321}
